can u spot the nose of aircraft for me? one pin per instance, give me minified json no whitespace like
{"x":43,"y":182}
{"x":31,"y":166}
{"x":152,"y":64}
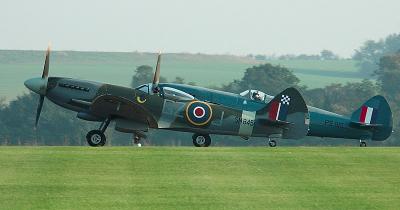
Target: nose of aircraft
{"x":37,"y":85}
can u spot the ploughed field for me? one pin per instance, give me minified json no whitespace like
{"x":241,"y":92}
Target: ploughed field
{"x":199,"y":178}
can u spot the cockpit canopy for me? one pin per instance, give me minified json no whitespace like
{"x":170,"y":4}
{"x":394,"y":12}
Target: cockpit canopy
{"x":144,"y":88}
{"x":168,"y":93}
{"x":175,"y":94}
{"x":256,"y":95}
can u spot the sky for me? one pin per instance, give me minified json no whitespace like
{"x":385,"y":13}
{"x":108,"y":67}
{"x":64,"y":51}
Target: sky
{"x":197,"y":26}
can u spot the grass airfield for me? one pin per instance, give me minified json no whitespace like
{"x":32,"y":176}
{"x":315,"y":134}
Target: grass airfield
{"x":199,"y":178}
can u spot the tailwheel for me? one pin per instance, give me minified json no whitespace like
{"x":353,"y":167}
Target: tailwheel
{"x":137,"y":137}
{"x":136,"y":140}
{"x":272,"y":143}
{"x":363,"y":144}
{"x":96,"y":138}
{"x":201,"y":140}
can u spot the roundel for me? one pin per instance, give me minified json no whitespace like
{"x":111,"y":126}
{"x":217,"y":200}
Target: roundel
{"x":198,"y":113}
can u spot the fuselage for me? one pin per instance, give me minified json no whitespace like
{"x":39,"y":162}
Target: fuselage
{"x":322,"y":123}
{"x":328,"y":124}
{"x":233,"y":114}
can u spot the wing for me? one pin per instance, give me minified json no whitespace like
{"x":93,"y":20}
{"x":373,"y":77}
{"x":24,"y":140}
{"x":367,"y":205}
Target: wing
{"x":119,"y":107}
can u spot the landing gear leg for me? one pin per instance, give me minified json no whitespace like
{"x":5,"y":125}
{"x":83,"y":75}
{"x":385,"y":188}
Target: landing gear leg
{"x":363,"y":143}
{"x":104,"y":125}
{"x":96,"y":138}
{"x":271,"y":143}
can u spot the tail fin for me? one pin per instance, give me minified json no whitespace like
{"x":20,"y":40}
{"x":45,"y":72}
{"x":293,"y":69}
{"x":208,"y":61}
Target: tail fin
{"x":288,"y":111}
{"x":375,"y":115}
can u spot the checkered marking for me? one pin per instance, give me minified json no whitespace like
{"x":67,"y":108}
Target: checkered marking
{"x":278,"y":110}
{"x":285,"y":99}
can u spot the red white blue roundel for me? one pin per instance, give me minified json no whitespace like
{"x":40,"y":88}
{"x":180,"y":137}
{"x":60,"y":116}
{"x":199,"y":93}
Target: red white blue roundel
{"x":198,"y":113}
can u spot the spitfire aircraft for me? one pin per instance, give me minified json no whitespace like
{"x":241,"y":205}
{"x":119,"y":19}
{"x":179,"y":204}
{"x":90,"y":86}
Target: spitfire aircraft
{"x":203,"y":111}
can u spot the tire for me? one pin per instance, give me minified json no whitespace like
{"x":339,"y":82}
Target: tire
{"x":201,"y":140}
{"x":272,"y":143}
{"x":96,"y":138}
{"x":363,"y":144}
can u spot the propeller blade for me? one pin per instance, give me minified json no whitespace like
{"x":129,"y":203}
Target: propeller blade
{"x":39,"y":110}
{"x":156,"y":78}
{"x":40,"y":85}
{"x":46,"y":64}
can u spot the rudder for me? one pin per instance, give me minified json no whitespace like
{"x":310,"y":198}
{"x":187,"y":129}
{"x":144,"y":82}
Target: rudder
{"x":375,"y":115}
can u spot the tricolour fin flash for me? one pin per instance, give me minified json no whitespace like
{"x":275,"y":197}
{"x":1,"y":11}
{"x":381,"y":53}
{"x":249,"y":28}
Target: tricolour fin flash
{"x":376,"y":115}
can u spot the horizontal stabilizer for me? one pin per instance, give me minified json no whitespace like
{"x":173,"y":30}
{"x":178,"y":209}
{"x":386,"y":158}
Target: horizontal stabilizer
{"x":274,"y":122}
{"x":363,"y":125}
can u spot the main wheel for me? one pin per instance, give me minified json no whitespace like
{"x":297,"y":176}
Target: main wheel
{"x":272,"y":143}
{"x":363,"y":144}
{"x":201,"y":140}
{"x":96,"y":138}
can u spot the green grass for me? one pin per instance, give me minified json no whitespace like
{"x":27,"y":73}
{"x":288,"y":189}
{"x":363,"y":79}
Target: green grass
{"x":199,"y":178}
{"x":118,"y":68}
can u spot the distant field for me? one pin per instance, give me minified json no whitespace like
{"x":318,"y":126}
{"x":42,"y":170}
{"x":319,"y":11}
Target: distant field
{"x":315,"y":73}
{"x":316,"y":80}
{"x":319,"y":65}
{"x":199,"y":178}
{"x":118,"y":68}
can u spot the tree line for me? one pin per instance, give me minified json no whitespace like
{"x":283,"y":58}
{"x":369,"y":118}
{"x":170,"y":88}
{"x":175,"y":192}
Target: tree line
{"x":61,"y":127}
{"x":323,"y":55}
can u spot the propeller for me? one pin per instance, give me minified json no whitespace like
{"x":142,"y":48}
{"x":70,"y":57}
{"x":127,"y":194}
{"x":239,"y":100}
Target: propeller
{"x":156,"y":78}
{"x":45,"y":73}
{"x":39,"y":110}
{"x":39,"y":85}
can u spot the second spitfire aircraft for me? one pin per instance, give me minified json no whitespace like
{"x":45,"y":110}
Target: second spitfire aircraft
{"x":204,"y":111}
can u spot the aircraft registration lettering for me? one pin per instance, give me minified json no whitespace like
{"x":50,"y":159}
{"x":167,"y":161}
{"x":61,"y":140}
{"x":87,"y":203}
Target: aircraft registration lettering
{"x":240,"y":120}
{"x":246,"y":123}
{"x":332,"y":123}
